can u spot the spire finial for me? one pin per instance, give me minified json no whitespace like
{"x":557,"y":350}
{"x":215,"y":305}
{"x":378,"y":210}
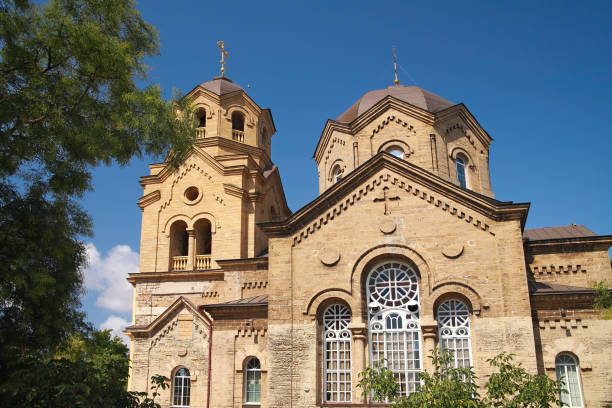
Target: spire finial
{"x":396,"y":81}
{"x":224,"y":55}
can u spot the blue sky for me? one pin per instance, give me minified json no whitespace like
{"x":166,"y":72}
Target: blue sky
{"x":536,"y":75}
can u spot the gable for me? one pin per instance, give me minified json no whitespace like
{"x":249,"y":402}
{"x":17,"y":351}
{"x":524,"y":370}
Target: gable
{"x":406,"y":180}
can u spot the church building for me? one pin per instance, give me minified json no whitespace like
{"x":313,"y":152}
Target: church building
{"x":243,"y":303}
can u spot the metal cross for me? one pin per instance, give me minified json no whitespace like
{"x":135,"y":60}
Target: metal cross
{"x":224,"y":55}
{"x":385,"y":199}
{"x":396,"y":81}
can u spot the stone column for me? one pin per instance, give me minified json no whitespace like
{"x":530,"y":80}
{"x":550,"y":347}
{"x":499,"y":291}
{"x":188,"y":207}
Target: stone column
{"x":429,"y":328}
{"x":190,"y":250}
{"x":359,"y":334}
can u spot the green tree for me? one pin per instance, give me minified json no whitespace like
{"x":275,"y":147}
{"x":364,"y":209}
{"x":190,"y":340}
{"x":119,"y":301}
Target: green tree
{"x":74,"y":94}
{"x":602,"y":299}
{"x":447,"y":387}
{"x":70,"y":100}
{"x":87,"y":371}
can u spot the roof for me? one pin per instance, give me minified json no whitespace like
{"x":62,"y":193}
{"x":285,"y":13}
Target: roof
{"x":261,"y":300}
{"x":221,"y":85}
{"x":554,"y":288}
{"x":411,"y":94}
{"x":560,"y":232}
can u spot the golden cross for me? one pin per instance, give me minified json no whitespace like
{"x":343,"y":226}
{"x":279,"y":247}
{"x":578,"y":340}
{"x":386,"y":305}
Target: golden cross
{"x":386,"y":198}
{"x":396,"y":82}
{"x":224,"y":55}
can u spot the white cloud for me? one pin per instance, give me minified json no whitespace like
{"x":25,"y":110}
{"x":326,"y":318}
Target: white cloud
{"x":107,"y":276}
{"x":116,"y":324}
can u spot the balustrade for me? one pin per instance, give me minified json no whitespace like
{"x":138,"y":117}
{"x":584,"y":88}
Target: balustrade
{"x":202,"y":262}
{"x":238,"y":135}
{"x":179,"y":263}
{"x":200,"y":132}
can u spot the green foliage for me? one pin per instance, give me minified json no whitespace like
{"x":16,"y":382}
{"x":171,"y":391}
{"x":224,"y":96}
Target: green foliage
{"x":73,"y":95}
{"x":378,"y":382}
{"x":602,"y":300}
{"x":70,"y":100}
{"x":513,"y":387}
{"x":88,"y":371}
{"x":447,"y":387}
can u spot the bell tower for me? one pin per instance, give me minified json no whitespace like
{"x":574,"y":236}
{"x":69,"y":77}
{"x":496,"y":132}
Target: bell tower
{"x":209,"y":208}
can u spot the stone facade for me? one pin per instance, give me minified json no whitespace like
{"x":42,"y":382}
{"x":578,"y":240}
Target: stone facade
{"x":228,"y":274}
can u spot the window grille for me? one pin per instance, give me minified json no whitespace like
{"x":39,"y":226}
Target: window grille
{"x":395,"y":331}
{"x":567,"y":373}
{"x":460,"y":166}
{"x":337,"y":353}
{"x":181,"y":389}
{"x":252,"y":382}
{"x":454,"y":331}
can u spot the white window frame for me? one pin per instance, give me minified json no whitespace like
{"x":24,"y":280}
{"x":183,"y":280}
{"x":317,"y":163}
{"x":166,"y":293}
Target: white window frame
{"x":337,"y":345}
{"x":561,"y":369}
{"x":454,"y":330}
{"x":336,"y":173}
{"x":394,"y":322}
{"x":184,"y":379}
{"x":254,"y":370}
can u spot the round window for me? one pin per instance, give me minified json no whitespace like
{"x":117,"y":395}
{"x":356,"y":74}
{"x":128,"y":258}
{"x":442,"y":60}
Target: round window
{"x":192,"y":193}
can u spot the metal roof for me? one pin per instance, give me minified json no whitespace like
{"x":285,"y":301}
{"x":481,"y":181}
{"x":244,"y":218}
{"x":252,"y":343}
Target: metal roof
{"x":260,"y":300}
{"x":221,"y":86}
{"x":560,"y":232}
{"x":411,"y":94}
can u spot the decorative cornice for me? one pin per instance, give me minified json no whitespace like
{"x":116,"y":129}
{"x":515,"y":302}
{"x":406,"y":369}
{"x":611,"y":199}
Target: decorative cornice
{"x":547,"y":270}
{"x":392,"y":119}
{"x":202,"y":275}
{"x":579,"y":244}
{"x":410,"y":178}
{"x":417,"y":113}
{"x":242,"y":262}
{"x":178,"y":304}
{"x":149,"y":199}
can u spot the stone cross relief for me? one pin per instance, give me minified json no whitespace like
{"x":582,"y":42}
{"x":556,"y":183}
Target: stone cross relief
{"x":386,"y":198}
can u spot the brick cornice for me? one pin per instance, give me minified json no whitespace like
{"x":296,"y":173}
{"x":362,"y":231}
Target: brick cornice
{"x":417,"y":113}
{"x":413,"y":179}
{"x":149,"y":199}
{"x":143,"y":277}
{"x":562,"y":245}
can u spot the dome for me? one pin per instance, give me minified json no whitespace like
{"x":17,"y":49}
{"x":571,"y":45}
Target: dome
{"x":221,"y":85}
{"x":410,"y":94}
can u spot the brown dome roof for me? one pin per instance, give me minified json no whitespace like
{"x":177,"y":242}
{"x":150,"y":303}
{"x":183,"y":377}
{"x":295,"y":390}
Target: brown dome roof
{"x":221,"y":85}
{"x":411,"y":94}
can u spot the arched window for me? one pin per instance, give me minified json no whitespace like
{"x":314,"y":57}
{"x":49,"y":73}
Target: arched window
{"x":179,"y":245}
{"x":203,"y":241}
{"x":202,"y":118}
{"x":336,"y":173}
{"x":238,"y":121}
{"x":454,"y":331}
{"x":460,"y":164}
{"x":252,"y":382}
{"x":567,"y":373}
{"x":395,"y":335}
{"x":181,"y":388}
{"x":396,"y":151}
{"x":337,"y":354}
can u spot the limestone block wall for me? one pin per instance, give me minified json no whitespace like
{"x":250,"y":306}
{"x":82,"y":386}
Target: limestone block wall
{"x":235,"y":341}
{"x":583,"y":334}
{"x":571,"y":268}
{"x":180,"y":341}
{"x":483,"y":266}
{"x":430,"y":145}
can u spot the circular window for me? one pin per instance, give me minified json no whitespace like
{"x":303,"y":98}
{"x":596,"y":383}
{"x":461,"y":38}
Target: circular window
{"x":393,"y":285}
{"x":192,"y":193}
